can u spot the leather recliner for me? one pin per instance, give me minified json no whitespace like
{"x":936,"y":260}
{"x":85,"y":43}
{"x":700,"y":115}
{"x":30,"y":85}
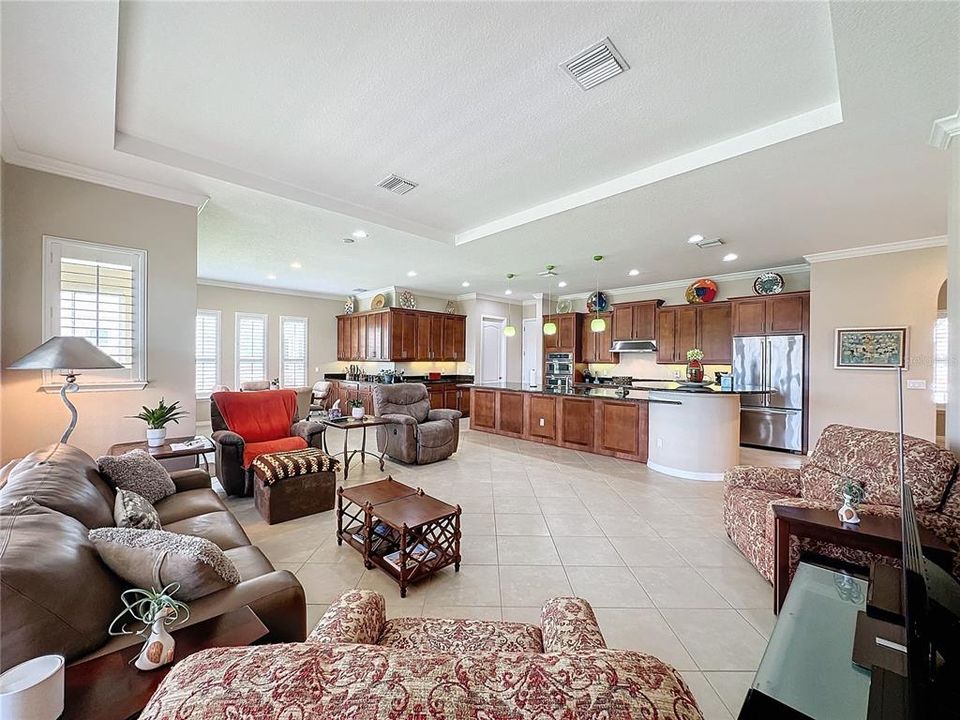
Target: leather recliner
{"x":416,"y":434}
{"x":248,"y":424}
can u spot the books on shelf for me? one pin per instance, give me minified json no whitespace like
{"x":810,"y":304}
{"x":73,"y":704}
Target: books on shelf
{"x":381,"y":533}
{"x":417,"y":553}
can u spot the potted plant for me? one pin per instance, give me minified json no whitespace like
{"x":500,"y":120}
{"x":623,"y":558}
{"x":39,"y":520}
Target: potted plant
{"x":853,"y":494}
{"x":356,"y":406}
{"x":157,"y":419}
{"x":694,"y":365}
{"x":155,"y":610}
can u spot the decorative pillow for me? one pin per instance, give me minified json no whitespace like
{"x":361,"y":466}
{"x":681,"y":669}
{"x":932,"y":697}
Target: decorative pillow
{"x":156,"y":558}
{"x":133,"y":511}
{"x":138,"y":471}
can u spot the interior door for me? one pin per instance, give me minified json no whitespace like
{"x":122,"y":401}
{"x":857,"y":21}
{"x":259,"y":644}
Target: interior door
{"x":531,"y":355}
{"x":491,"y":350}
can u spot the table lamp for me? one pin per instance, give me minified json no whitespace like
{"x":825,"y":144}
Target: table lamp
{"x":66,"y":355}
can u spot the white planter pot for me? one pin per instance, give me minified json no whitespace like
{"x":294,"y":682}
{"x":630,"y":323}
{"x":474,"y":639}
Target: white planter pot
{"x":156,"y":437}
{"x":357,"y":412}
{"x":158,"y":649}
{"x":847,"y":512}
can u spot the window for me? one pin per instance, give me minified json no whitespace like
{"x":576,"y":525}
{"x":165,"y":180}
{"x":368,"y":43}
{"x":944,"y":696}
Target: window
{"x":941,"y":360}
{"x":97,"y":292}
{"x":293,"y":351}
{"x":251,"y":347}
{"x":207,"y":351}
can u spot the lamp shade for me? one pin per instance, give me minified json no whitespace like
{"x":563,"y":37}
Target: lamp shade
{"x":510,"y":331}
{"x":65,"y":353}
{"x":598,"y":324}
{"x":549,"y":328}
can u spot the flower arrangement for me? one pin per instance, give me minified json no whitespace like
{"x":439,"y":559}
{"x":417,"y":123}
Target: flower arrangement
{"x":694,"y":354}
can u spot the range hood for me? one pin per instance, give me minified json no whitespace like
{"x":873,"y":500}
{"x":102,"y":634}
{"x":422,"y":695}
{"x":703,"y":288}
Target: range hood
{"x":638,"y":346}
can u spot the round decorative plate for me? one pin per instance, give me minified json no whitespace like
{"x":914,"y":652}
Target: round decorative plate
{"x":701,"y":291}
{"x":379,"y":300}
{"x":451,"y":307}
{"x":349,"y":305}
{"x":769,"y":283}
{"x":564,"y":306}
{"x":407,"y":300}
{"x":597,"y":301}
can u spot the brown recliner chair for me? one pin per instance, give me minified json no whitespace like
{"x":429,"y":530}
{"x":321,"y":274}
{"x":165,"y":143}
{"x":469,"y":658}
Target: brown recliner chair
{"x":416,"y":434}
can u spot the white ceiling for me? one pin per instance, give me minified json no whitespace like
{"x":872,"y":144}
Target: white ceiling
{"x":286,"y":116}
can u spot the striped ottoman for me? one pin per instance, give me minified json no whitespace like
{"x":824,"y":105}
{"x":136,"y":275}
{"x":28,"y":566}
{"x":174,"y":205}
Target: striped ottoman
{"x":294,"y":483}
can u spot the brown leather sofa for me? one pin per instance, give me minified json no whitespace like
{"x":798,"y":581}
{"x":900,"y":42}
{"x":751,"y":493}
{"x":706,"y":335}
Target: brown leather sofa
{"x":416,"y":434}
{"x":59,"y":597}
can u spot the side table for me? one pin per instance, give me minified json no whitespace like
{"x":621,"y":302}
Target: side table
{"x":346,"y":423}
{"x":109,"y":687}
{"x":166,"y":452}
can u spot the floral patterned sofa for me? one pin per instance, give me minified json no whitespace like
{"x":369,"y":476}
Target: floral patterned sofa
{"x":358,"y":665}
{"x":868,"y":456}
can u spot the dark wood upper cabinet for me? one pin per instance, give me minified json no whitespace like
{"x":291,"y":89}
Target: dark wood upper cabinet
{"x":595,"y":346}
{"x":683,"y":327}
{"x":635,"y":321}
{"x":667,"y":335}
{"x":567,"y":338}
{"x":453,"y":337}
{"x":405,"y":335}
{"x":687,"y":331}
{"x":716,"y":335}
{"x":786,"y":314}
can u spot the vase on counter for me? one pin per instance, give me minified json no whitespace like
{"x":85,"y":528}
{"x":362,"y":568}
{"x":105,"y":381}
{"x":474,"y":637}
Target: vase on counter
{"x":694,"y":371}
{"x":357,"y":412}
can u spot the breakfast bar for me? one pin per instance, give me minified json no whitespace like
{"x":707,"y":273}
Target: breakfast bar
{"x":692,"y":433}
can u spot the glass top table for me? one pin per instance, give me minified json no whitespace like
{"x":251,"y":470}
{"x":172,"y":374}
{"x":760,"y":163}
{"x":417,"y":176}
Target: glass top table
{"x":808,"y":663}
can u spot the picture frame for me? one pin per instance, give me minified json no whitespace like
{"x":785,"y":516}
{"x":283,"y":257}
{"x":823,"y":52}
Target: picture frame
{"x":870,"y":348}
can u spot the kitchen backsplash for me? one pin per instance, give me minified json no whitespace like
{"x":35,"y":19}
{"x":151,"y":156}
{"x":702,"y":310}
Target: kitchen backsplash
{"x":644,"y":365}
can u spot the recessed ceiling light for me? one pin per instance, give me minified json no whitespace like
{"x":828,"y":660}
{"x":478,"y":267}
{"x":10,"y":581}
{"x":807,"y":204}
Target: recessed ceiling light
{"x":465,"y":283}
{"x":296,"y":265}
{"x":694,"y":239}
{"x":729,"y":257}
{"x":271,"y":276}
{"x":411,"y":273}
{"x":633,"y":273}
{"x":359,"y":234}
{"x":562,"y":283}
{"x":508,"y":291}
{"x":349,"y":241}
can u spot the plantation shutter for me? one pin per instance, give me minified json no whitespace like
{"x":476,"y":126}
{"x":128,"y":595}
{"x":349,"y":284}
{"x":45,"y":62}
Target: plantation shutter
{"x":207,"y":352}
{"x":251,"y":347}
{"x":941,"y":361}
{"x":293,"y":352}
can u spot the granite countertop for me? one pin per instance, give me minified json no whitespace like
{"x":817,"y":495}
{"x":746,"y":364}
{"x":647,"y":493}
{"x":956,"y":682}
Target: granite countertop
{"x":407,"y":379}
{"x":605,"y":391}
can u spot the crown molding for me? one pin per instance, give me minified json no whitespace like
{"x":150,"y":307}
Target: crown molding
{"x":271,"y":290}
{"x":792,"y":127}
{"x":488,"y":298}
{"x":670,"y":284}
{"x":882,"y":249}
{"x":944,"y":130}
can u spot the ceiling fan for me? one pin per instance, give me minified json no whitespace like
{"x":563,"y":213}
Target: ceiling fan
{"x":549,"y":272}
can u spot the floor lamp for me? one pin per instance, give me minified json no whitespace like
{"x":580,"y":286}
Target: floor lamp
{"x":66,"y":355}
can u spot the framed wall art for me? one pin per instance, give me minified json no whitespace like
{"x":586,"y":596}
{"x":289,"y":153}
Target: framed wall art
{"x":870,"y":348}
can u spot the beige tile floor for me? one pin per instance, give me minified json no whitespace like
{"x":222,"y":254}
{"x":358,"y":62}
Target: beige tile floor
{"x":648,"y":551}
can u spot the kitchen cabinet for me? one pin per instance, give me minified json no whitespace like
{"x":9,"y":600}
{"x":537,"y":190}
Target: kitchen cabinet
{"x":784,"y":314}
{"x":541,"y":418}
{"x":595,"y":346}
{"x":401,"y":335}
{"x":622,"y":429}
{"x":453,"y":343}
{"x":683,"y":327}
{"x":635,"y":321}
{"x":435,"y":395}
{"x":577,"y":423}
{"x":567,"y":338}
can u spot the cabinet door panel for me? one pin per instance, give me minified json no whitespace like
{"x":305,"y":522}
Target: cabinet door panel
{"x":588,"y":347}
{"x":435,"y":348}
{"x":436,"y":398}
{"x":450,"y":401}
{"x":749,"y":317}
{"x":716,"y":337}
{"x":510,"y":412}
{"x":577,"y":423}
{"x":666,"y":335}
{"x":422,"y":351}
{"x":645,"y":320}
{"x":542,"y":417}
{"x":408,"y":346}
{"x":567,"y":330}
{"x":619,"y":430}
{"x":603,"y":341}
{"x":785,"y":314}
{"x":386,"y":324}
{"x":362,"y":337}
{"x":686,"y":332}
{"x":483,"y":409}
{"x":623,"y":323}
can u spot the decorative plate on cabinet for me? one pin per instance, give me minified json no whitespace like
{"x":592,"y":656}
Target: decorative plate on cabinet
{"x":701,"y":291}
{"x":564,"y":306}
{"x":379,"y":300}
{"x":349,"y":305}
{"x":769,"y":283}
{"x":597,"y":302}
{"x":451,"y":307}
{"x":407,"y":300}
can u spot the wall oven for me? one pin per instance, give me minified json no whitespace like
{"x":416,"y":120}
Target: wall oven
{"x":558,"y":370}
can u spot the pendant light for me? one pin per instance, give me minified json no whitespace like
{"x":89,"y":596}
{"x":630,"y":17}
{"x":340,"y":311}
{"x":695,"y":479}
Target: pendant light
{"x":549,"y":327}
{"x":509,"y":330}
{"x":598,"y":324}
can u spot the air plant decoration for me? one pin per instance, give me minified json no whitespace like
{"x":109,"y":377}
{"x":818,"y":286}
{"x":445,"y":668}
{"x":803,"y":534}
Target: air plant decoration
{"x":155,"y":610}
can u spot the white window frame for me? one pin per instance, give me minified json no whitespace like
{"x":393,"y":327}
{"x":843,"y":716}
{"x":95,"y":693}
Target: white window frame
{"x":941,"y":361}
{"x":236,"y":345}
{"x":306,"y":348}
{"x":219,"y":351}
{"x":132,"y":378}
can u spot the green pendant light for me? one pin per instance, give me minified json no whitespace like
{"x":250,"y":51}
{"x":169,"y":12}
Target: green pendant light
{"x":509,"y":330}
{"x":598,"y":324}
{"x":549,"y":327}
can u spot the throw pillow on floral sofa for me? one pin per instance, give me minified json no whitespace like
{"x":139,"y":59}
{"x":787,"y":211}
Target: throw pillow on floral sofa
{"x":869,"y":456}
{"x":358,"y":665}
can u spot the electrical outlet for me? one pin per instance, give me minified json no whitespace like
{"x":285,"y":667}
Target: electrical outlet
{"x":542,"y":423}
{"x":916,"y":384}
{"x":659,"y":442}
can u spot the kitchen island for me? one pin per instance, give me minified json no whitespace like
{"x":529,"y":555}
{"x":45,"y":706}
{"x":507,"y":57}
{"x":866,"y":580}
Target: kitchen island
{"x":692,"y":433}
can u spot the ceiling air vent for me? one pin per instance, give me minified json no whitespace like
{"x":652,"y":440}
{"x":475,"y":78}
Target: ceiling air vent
{"x":396,"y":184}
{"x":595,"y":65}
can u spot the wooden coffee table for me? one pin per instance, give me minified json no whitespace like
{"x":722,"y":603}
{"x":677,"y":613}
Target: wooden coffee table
{"x":399,"y":529}
{"x":109,"y":687}
{"x":346,"y":423}
{"x":165,"y":452}
{"x":874,"y":534}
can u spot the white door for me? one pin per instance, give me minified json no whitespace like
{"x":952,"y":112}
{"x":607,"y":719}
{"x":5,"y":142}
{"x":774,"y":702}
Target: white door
{"x":492,"y":349}
{"x":531,"y":351}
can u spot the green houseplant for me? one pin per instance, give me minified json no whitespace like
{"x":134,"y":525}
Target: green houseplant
{"x":157,"y":418}
{"x":155,"y":609}
{"x":356,"y":405}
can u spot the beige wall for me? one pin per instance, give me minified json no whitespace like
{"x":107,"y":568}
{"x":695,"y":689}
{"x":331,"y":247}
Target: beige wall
{"x":35,"y":204}
{"x":891,"y":290}
{"x":476,"y":309}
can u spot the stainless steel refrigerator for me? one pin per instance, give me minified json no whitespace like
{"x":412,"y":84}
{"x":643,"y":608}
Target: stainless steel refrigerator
{"x":774,"y":420}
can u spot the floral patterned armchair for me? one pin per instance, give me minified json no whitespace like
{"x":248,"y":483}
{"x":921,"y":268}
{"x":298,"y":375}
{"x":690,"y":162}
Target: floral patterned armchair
{"x":870,"y":457}
{"x":360,"y":665}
